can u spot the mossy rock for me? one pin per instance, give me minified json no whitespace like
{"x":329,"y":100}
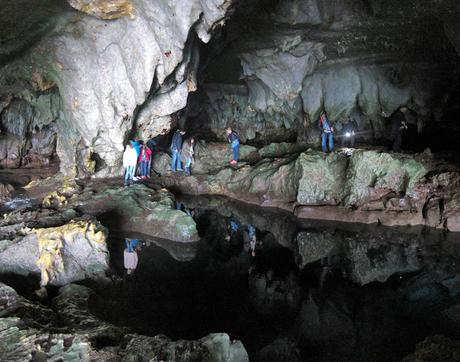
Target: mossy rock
{"x":380,"y":170}
{"x":321,"y":178}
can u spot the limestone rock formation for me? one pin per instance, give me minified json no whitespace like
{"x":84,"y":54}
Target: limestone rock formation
{"x":104,"y":71}
{"x":73,"y":306}
{"x":272,"y":180}
{"x":61,"y":254}
{"x":138,"y":210}
{"x":105,"y":9}
{"x":83,"y":243}
{"x":87,"y":79}
{"x":126,"y":210}
{"x":6,"y":191}
{"x":28,"y":138}
{"x":301,"y":57}
{"x":322,"y":178}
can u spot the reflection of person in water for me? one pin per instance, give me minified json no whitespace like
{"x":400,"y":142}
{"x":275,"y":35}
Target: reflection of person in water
{"x":130,"y":255}
{"x":232,"y":229}
{"x":252,"y":245}
{"x":251,"y":240}
{"x":181,"y":207}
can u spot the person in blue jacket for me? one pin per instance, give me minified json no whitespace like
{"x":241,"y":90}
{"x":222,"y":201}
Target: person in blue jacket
{"x":136,"y":145}
{"x":327,"y":132}
{"x":234,"y":140}
{"x":176,"y":149}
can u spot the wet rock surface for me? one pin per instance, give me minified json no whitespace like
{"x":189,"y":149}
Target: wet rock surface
{"x":61,"y":241}
{"x":139,"y":210}
{"x":215,"y":347}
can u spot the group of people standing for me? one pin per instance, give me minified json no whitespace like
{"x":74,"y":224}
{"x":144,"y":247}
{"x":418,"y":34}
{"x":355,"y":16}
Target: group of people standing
{"x":137,"y":159}
{"x":177,"y":148}
{"x":176,"y":153}
{"x":350,"y":130}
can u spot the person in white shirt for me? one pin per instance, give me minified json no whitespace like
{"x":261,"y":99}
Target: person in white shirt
{"x":129,"y":163}
{"x":190,"y":157}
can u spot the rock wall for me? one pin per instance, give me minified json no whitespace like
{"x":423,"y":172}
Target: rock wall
{"x":28,"y":133}
{"x":61,"y":254}
{"x":350,"y":58}
{"x":113,"y":76}
{"x":92,"y":77}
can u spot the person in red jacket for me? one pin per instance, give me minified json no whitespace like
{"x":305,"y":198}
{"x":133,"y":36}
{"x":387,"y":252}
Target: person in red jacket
{"x":145,"y":155}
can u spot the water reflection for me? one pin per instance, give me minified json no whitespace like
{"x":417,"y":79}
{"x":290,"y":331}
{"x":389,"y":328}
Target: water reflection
{"x":19,"y":202}
{"x":317,"y":292}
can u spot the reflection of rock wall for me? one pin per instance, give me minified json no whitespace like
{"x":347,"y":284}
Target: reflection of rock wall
{"x":366,"y":256}
{"x":435,"y":348}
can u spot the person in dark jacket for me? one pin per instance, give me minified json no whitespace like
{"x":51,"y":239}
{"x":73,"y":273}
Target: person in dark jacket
{"x":176,"y":149}
{"x":399,"y":126}
{"x":151,"y":144}
{"x":327,"y":132}
{"x":349,"y":129}
{"x":234,"y":140}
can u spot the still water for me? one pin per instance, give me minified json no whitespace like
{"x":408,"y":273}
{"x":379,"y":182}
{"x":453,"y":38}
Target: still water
{"x":372,"y":296}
